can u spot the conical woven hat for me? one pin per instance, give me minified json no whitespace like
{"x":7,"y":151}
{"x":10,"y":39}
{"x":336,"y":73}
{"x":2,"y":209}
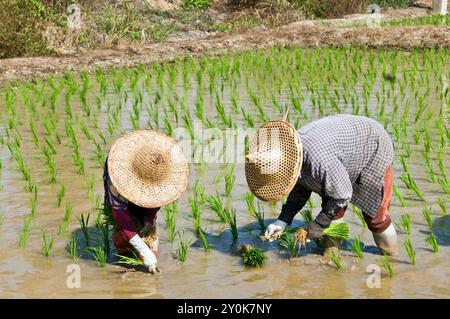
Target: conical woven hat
{"x":274,"y":161}
{"x":148,"y":168}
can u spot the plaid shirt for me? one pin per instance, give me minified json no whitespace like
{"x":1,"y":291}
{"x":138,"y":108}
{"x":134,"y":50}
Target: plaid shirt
{"x":345,"y":158}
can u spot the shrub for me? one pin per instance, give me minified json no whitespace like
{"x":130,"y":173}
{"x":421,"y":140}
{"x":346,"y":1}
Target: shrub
{"x":20,"y":32}
{"x":195,"y":4}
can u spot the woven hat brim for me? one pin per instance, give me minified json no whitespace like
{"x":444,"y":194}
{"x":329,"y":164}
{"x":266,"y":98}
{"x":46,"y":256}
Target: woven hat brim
{"x":274,"y":187}
{"x":143,"y":192}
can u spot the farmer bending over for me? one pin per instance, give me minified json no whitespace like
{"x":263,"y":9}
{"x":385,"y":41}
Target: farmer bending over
{"x":343,"y":158}
{"x":144,"y":170}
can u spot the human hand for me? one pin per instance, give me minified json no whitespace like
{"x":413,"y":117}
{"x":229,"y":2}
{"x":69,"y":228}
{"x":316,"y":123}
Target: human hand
{"x":275,"y":230}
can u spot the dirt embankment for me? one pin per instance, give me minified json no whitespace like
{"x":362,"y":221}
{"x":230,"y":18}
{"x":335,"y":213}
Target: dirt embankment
{"x":304,"y":33}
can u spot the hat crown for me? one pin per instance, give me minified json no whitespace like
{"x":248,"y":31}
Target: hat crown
{"x":150,"y":164}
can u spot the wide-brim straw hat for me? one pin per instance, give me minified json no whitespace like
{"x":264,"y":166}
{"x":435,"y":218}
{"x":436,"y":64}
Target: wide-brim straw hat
{"x":148,"y":168}
{"x":274,"y":161}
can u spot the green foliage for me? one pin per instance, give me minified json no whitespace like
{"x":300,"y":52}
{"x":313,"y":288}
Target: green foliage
{"x":20,"y":34}
{"x":335,"y":258}
{"x":410,"y":250}
{"x":431,"y":240}
{"x":195,"y":4}
{"x":47,"y":243}
{"x":254,"y":257}
{"x":289,"y":242}
{"x":357,"y":247}
{"x":387,"y":265}
{"x":338,"y":230}
{"x":99,"y":255}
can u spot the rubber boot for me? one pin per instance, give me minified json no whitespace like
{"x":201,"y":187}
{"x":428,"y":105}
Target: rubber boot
{"x":387,"y":241}
{"x":331,"y":245}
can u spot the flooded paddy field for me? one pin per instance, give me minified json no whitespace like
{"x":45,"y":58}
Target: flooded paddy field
{"x":55,"y":135}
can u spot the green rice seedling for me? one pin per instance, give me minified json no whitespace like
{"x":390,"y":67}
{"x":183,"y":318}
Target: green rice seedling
{"x":360,"y":215}
{"x":33,"y":202}
{"x":103,"y":228}
{"x":445,"y":186}
{"x":258,"y":215}
{"x":429,"y":219}
{"x":33,"y":133}
{"x":431,"y":240}
{"x":47,"y":243}
{"x":247,"y":118}
{"x":24,"y":235}
{"x":230,"y":178}
{"x":338,"y":230}
{"x":170,"y":219}
{"x":99,"y":255}
{"x":73,"y":248}
{"x":84,"y":224}
{"x":335,"y":258}
{"x":60,"y":195}
{"x":66,"y":219}
{"x":215,"y":203}
{"x":249,"y":198}
{"x":387,"y":265}
{"x":183,"y":248}
{"x":2,"y":217}
{"x":410,"y":250}
{"x":404,"y":224}
{"x":289,"y":241}
{"x":307,"y":215}
{"x":253,"y":257}
{"x":199,"y":193}
{"x":132,"y":261}
{"x":196,"y":212}
{"x":411,"y":184}
{"x":399,"y":195}
{"x":442,"y":205}
{"x":90,"y":184}
{"x":232,"y":223}
{"x":357,"y":247}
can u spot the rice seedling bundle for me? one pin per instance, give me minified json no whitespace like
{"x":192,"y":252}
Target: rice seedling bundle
{"x":289,"y":241}
{"x":73,"y":248}
{"x":183,"y":248}
{"x":103,"y":229}
{"x":399,"y":195}
{"x":442,"y":204}
{"x":429,"y":219}
{"x":411,"y":184}
{"x":253,"y":257}
{"x":407,"y":244}
{"x":404,"y":224}
{"x":249,"y":198}
{"x":24,"y":235}
{"x":132,"y":261}
{"x":431,"y":240}
{"x":170,"y":220}
{"x":66,"y":219}
{"x":47,"y":243}
{"x":357,"y":247}
{"x":99,"y":255}
{"x":335,"y":258}
{"x":215,"y":203}
{"x":338,"y":230}
{"x":387,"y":265}
{"x":231,"y":216}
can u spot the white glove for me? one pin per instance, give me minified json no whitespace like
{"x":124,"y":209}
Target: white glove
{"x":146,"y":253}
{"x":275,"y":230}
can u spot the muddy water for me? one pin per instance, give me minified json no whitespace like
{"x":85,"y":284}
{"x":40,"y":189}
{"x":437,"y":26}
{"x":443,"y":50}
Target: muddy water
{"x":26,"y":272}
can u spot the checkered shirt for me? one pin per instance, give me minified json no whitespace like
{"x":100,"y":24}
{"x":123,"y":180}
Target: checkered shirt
{"x":345,"y":158}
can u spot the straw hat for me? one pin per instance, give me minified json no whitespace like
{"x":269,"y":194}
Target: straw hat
{"x":274,"y":161}
{"x":148,"y":168}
